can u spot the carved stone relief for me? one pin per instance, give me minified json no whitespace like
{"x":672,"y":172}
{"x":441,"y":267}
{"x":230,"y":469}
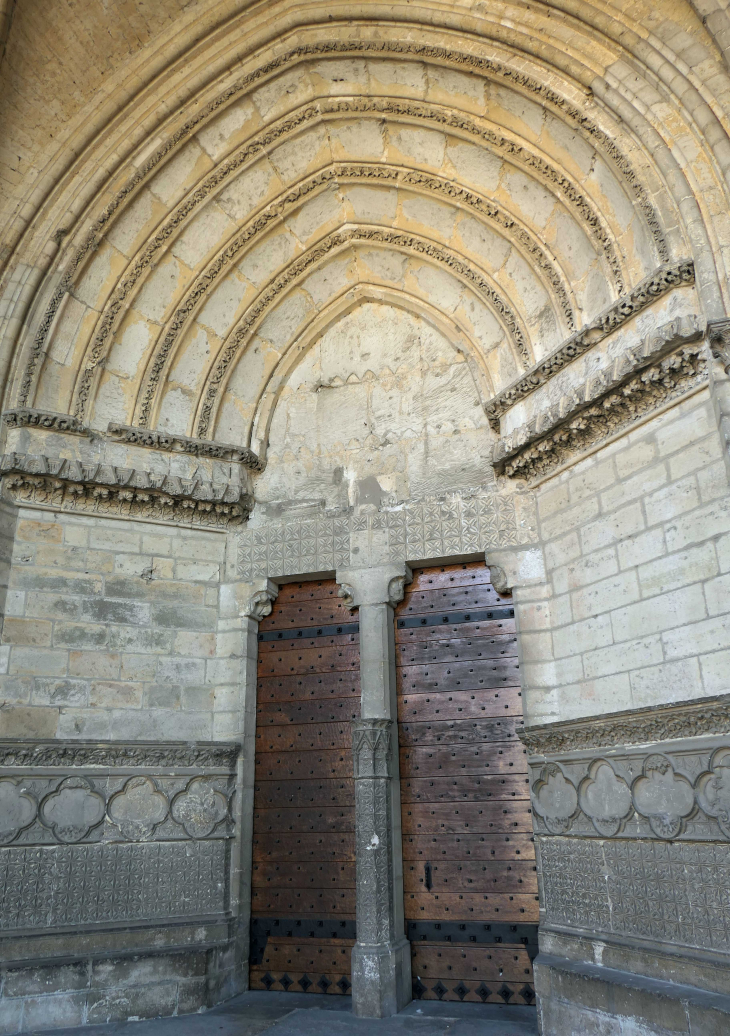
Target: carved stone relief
{"x":659,"y":793}
{"x":104,"y":489}
{"x":184,"y":444}
{"x":609,"y":401}
{"x":429,"y":529}
{"x":718,"y":334}
{"x":624,"y":309}
{"x":102,"y":844}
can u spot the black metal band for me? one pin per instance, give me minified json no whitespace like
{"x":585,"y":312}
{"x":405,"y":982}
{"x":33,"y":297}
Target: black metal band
{"x":295,"y":928}
{"x":439,"y":619}
{"x":310,"y":632}
{"x":474,"y":932}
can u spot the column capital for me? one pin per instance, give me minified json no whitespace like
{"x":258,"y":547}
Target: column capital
{"x":384,"y":584}
{"x":371,"y":747}
{"x":260,"y":602}
{"x":718,"y":336}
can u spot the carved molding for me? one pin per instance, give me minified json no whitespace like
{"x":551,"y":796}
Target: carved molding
{"x":665,"y":279}
{"x":104,"y":489}
{"x":371,"y":748}
{"x":480,"y":65}
{"x":26,"y":417}
{"x":631,"y":727}
{"x":299,"y":267}
{"x":173,"y":443}
{"x":607,"y":402}
{"x":339,"y":171}
{"x":718,"y":334}
{"x":102,"y":755}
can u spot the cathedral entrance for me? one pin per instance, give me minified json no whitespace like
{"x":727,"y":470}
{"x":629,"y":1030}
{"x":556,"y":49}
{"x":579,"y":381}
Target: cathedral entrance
{"x":303,"y":879}
{"x":470,"y":880}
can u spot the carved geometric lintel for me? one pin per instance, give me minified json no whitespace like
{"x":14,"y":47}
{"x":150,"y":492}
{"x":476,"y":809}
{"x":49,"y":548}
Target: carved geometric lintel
{"x":104,"y":489}
{"x":662,"y":281}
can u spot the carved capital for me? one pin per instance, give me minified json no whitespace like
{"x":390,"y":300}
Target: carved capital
{"x":383,"y":584}
{"x":260,"y":602}
{"x":371,"y":747}
{"x":718,"y":335}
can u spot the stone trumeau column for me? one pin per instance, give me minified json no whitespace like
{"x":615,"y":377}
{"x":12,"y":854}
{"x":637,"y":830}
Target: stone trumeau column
{"x":243,"y":605}
{"x":381,"y":957}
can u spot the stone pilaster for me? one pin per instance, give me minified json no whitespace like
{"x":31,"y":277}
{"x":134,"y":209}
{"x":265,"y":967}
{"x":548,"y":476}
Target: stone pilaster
{"x":243,"y":607}
{"x":381,"y":960}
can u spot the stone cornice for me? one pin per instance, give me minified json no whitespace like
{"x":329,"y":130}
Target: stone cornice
{"x":172,"y":443}
{"x":632,"y":727}
{"x":105,"y":489}
{"x":664,"y":280}
{"x":103,"y":754}
{"x":608,"y":401}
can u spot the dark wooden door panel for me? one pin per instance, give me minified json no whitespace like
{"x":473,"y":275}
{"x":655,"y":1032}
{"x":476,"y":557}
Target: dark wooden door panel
{"x":464,"y":676}
{"x":457,"y":649}
{"x":309,"y":686}
{"x":305,"y":737}
{"x":445,"y":876}
{"x":464,"y":789}
{"x":301,"y":875}
{"x":518,"y":846}
{"x":304,"y":848}
{"x":316,"y":710}
{"x":318,"y":819}
{"x":467,"y":759}
{"x":336,"y":792}
{"x":468,"y":851}
{"x":458,"y":731}
{"x":417,"y":707}
{"x":303,"y":882}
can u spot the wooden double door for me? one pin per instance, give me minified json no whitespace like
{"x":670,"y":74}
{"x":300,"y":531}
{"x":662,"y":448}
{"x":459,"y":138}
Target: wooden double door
{"x":470,"y":879}
{"x":470,"y":882}
{"x":303,"y":877}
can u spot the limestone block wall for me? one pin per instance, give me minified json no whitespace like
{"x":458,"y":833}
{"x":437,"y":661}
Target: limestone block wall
{"x":110,"y":632}
{"x":637,"y":563}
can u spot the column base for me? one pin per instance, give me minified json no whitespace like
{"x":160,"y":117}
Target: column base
{"x":381,"y":979}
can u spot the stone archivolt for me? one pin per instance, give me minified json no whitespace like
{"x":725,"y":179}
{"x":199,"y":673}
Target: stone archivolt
{"x":648,"y":291}
{"x":608,"y":402}
{"x":105,"y":489}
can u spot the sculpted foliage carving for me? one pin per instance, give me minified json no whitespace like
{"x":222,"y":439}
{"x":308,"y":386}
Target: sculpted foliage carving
{"x":127,"y":492}
{"x":26,"y":417}
{"x":624,"y":309}
{"x":171,"y":443}
{"x":214,"y":755}
{"x":618,"y":397}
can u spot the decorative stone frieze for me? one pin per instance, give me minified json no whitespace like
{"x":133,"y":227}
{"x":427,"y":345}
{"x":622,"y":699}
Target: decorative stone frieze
{"x":172,"y":443}
{"x":105,"y":489}
{"x":606,"y":403}
{"x":28,"y":418}
{"x":661,"y":282}
{"x":86,"y":840}
{"x":631,"y":727}
{"x":423,"y":530}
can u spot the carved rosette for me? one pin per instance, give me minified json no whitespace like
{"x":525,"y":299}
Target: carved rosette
{"x":371,"y":743}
